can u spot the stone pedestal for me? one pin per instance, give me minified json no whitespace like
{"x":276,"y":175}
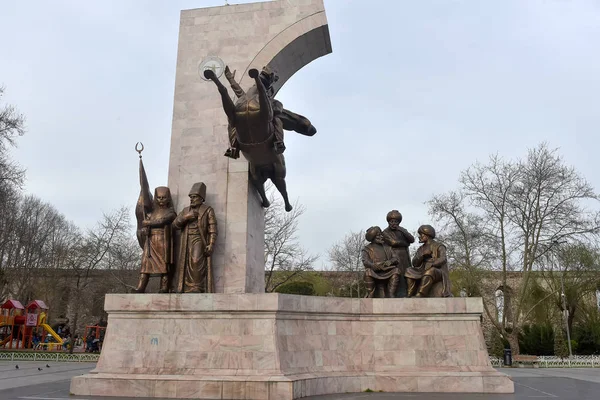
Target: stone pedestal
{"x":285,"y":35}
{"x":283,"y":347}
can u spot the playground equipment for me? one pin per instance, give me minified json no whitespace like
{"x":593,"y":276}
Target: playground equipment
{"x":93,"y":336}
{"x":9,"y":318}
{"x":20,"y":326}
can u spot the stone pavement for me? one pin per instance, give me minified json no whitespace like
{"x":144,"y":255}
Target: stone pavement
{"x":28,"y":383}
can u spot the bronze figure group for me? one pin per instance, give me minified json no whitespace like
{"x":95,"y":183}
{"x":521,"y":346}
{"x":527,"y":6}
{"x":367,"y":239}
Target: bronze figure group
{"x":175,"y":244}
{"x":182,"y":245}
{"x":389,"y":269}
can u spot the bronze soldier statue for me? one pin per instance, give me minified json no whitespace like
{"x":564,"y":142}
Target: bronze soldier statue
{"x":429,"y":266}
{"x":381,"y":266}
{"x":399,"y":239}
{"x":199,"y":234}
{"x":154,"y":217}
{"x":157,"y":256}
{"x":258,"y":132}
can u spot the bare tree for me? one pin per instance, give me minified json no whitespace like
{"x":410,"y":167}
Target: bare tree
{"x":30,"y":242}
{"x":124,"y":259}
{"x":12,"y":125}
{"x":508,"y":214}
{"x":470,"y":250}
{"x":285,"y":258}
{"x":88,"y":252}
{"x":575,"y":268}
{"x":345,"y":256}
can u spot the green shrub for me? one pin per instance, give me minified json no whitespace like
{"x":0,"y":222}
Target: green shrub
{"x":587,"y":336}
{"x":303,"y":288}
{"x":537,"y":340}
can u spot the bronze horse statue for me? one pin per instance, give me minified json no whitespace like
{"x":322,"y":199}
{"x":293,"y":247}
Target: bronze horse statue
{"x":256,"y":124}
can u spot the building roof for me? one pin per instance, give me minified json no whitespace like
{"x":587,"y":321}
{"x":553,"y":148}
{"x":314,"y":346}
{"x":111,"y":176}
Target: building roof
{"x":10,"y":303}
{"x":35,"y":304}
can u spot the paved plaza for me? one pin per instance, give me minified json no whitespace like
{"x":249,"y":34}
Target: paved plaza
{"x":52,"y":383}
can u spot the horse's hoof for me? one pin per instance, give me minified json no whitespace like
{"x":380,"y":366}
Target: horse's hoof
{"x":209,"y":74}
{"x":288,"y":207}
{"x":253,"y":73}
{"x":266,"y":204}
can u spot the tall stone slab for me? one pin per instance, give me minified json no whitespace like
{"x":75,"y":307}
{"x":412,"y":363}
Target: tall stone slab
{"x":284,"y":34}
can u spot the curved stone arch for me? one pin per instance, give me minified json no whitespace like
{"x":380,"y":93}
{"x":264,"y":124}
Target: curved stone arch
{"x":294,"y":47}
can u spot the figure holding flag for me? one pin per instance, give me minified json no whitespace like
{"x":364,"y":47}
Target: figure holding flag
{"x":154,"y":217}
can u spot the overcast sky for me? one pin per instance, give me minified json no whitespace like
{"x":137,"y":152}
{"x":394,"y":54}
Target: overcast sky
{"x":413,"y":93}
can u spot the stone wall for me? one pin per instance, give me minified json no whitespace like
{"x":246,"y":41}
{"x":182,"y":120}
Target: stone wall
{"x":274,"y":346}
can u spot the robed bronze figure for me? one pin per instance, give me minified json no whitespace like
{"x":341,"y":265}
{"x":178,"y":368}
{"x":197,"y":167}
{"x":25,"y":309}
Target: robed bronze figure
{"x":381,"y":266}
{"x":399,"y":239}
{"x":154,"y":217}
{"x":256,"y":123}
{"x":430,"y":266}
{"x":198,"y":224}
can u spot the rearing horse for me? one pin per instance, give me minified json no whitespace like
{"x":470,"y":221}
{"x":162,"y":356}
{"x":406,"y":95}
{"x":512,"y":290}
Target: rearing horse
{"x":256,"y":124}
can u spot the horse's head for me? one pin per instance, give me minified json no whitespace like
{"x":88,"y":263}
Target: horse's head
{"x":268,"y":76}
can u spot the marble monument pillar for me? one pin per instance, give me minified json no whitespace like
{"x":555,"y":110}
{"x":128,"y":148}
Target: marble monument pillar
{"x":285,"y":35}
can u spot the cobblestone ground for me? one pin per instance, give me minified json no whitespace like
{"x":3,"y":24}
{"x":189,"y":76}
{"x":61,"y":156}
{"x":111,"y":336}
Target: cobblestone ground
{"x":50,"y":381}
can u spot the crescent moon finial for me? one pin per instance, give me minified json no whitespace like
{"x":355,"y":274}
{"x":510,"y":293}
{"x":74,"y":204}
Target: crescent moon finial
{"x":139,"y":147}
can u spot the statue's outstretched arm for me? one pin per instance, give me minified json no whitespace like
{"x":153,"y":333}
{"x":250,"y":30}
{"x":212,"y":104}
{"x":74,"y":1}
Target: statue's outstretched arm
{"x":237,"y":89}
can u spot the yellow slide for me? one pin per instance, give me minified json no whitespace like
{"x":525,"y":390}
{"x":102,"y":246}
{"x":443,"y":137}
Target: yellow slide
{"x":48,"y":329}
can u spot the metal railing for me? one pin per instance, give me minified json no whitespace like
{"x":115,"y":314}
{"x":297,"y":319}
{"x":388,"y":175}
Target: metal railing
{"x":557,"y":362}
{"x":47,"y":356}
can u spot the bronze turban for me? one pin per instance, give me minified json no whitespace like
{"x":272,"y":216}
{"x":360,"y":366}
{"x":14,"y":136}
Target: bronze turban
{"x":394,"y":214}
{"x":427,"y":230}
{"x":372,"y":232}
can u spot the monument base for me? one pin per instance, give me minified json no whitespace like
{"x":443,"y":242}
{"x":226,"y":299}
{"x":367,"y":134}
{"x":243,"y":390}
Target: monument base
{"x":278,"y":347}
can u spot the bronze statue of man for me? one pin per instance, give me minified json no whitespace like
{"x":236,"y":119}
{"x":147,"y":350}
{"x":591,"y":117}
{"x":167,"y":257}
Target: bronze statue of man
{"x":430,"y":266}
{"x":199,"y":234}
{"x":399,"y":239}
{"x":154,"y":216}
{"x":157,"y":256}
{"x":282,"y":118}
{"x":381,"y":266}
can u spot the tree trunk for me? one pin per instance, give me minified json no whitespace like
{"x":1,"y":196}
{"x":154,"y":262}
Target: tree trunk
{"x":74,"y":330}
{"x":513,"y":341}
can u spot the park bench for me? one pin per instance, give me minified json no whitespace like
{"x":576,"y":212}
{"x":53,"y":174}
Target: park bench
{"x":522,"y":360}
